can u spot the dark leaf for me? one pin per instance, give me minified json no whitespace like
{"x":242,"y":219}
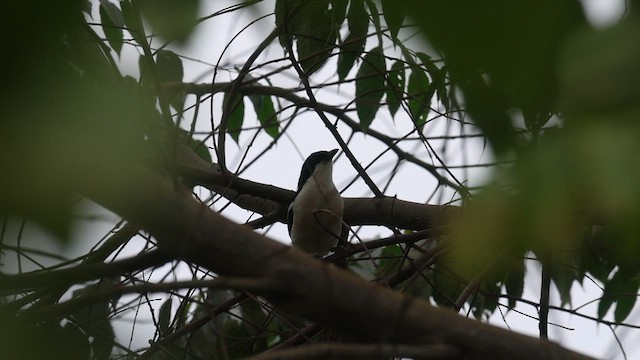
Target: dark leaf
{"x":145,"y":70}
{"x":395,"y":86}
{"x":370,"y":83}
{"x":393,"y":15}
{"x":625,"y":305}
{"x":338,"y":11}
{"x":133,"y":22}
{"x":252,"y":312}
{"x":169,"y":66}
{"x":164,"y":317}
{"x":375,"y":18}
{"x":87,"y":6}
{"x":112,"y":24}
{"x":237,"y":340}
{"x":315,"y":34}
{"x":419,"y":99}
{"x":266,"y":114}
{"x":353,"y":46}
{"x":94,"y":320}
{"x":170,"y":69}
{"x":446,"y":289}
{"x":390,"y":260}
{"x":201,"y":149}
{"x":172,"y":20}
{"x":514,"y":282}
{"x":236,"y":116}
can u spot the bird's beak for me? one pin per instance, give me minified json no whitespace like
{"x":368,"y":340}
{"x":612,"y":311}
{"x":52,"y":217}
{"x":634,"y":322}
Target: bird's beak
{"x":333,"y":152}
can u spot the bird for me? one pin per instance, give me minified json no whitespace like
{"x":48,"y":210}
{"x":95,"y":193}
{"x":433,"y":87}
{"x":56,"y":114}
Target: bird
{"x":314,"y":217}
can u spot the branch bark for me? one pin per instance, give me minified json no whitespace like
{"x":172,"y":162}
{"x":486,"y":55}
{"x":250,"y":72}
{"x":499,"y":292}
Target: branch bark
{"x":347,"y":304}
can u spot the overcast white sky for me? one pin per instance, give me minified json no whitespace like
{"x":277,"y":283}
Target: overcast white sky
{"x":281,"y":167}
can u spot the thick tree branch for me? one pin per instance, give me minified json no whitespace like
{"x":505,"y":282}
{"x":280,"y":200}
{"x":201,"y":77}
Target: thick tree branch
{"x":339,"y":300}
{"x":267,"y":199}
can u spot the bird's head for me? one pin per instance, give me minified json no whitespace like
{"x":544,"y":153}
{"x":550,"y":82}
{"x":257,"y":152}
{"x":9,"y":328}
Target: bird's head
{"x":318,"y":164}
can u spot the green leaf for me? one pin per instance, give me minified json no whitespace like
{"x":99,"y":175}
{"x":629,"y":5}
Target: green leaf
{"x":200,"y":148}
{"x":252,"y":312}
{"x":338,"y":12}
{"x":446,"y":289}
{"x":375,"y":19}
{"x":236,"y":117}
{"x":390,"y":260}
{"x":514,"y":282}
{"x":621,"y":289}
{"x":94,"y":320}
{"x":353,"y":46}
{"x":237,"y":340}
{"x":266,"y":114}
{"x":172,"y":20}
{"x":393,"y":15}
{"x":428,"y":64}
{"x":133,"y":22}
{"x":170,"y":69}
{"x":624,"y":306}
{"x":86,"y":7}
{"x":564,"y":275}
{"x":145,"y":70}
{"x":370,"y":83}
{"x":164,"y":318}
{"x":395,"y":86}
{"x":169,"y":66}
{"x":419,"y":99}
{"x":112,"y":24}
{"x":315,"y":34}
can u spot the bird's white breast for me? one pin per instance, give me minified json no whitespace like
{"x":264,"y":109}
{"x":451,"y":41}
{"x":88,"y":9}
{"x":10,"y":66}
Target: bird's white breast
{"x":315,"y":231}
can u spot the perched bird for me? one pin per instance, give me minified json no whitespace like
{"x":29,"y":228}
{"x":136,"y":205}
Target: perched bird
{"x":315,"y":215}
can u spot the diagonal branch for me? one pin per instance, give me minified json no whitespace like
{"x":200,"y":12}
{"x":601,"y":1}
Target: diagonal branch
{"x":350,"y":306}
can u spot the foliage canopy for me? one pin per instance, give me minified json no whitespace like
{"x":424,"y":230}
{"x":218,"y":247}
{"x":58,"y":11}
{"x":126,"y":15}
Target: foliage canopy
{"x":552,"y":101}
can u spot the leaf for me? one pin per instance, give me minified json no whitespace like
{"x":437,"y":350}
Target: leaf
{"x":419,"y":100}
{"x":172,"y":20}
{"x":236,"y":117}
{"x":370,"y":86}
{"x":446,"y":289}
{"x":393,"y":15}
{"x":145,"y":70}
{"x":266,"y":114}
{"x":564,"y":275}
{"x":390,"y":260}
{"x":94,"y":320}
{"x":514,"y":282}
{"x":428,"y":64}
{"x":624,"y":306}
{"x":86,"y":7}
{"x":164,"y":317}
{"x":395,"y":86}
{"x":338,"y":11}
{"x":236,"y":339}
{"x":315,"y":34}
{"x":133,"y":22}
{"x":375,"y":18}
{"x":626,"y":293}
{"x":252,"y":312}
{"x":169,"y":66}
{"x":201,"y":150}
{"x":353,"y":45}
{"x":621,"y":289}
{"x":112,"y":24}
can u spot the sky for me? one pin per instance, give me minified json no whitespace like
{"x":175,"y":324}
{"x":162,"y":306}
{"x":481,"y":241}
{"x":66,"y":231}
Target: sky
{"x":281,"y":166}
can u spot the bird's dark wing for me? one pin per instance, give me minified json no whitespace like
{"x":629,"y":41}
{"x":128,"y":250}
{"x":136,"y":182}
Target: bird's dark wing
{"x":290,"y":217}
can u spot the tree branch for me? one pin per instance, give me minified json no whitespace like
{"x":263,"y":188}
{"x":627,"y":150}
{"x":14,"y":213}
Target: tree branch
{"x":350,"y":306}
